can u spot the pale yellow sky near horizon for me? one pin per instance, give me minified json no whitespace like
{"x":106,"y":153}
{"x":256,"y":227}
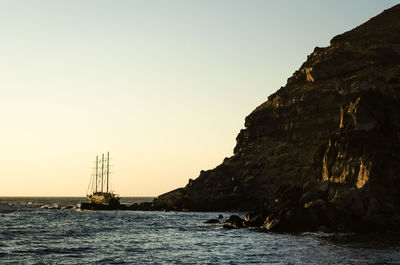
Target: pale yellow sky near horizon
{"x":164,"y":86}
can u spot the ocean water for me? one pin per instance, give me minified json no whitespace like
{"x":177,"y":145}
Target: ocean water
{"x":49,"y":231}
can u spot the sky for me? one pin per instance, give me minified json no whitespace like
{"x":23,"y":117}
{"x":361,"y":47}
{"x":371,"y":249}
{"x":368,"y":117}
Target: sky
{"x":164,"y":86}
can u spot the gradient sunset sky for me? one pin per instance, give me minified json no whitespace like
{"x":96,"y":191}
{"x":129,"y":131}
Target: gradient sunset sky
{"x":164,"y":86}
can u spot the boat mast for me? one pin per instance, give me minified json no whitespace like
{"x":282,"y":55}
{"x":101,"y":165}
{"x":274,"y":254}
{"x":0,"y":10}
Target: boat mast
{"x":102,"y":171}
{"x":108,"y":168}
{"x":97,"y":166}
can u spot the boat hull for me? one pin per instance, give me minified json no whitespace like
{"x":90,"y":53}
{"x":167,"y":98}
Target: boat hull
{"x":103,"y":197}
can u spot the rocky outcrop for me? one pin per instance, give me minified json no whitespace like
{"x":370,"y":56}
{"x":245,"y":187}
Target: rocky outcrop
{"x":116,"y":206}
{"x":331,"y":137}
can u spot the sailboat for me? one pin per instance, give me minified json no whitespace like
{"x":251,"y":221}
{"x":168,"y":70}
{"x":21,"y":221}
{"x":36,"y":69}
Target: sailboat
{"x":97,"y":193}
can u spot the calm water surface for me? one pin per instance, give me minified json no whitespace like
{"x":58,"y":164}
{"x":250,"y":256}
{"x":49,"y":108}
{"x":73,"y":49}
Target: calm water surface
{"x":31,"y":232}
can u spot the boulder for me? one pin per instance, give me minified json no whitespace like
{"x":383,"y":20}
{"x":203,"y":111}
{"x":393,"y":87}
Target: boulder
{"x":228,"y":226}
{"x":212,"y":221}
{"x":293,"y":220}
{"x":235,"y":221}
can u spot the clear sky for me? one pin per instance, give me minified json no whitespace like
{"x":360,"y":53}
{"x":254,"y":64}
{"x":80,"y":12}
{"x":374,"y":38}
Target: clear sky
{"x":164,"y":86}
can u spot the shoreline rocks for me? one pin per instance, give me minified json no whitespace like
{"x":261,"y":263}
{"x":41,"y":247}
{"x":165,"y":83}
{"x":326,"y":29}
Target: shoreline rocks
{"x":348,"y":211}
{"x":143,"y":206}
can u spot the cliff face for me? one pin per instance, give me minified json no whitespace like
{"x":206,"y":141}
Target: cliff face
{"x":335,"y":125}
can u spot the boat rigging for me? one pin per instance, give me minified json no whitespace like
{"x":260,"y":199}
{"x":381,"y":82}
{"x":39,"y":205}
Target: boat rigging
{"x":101,"y":176}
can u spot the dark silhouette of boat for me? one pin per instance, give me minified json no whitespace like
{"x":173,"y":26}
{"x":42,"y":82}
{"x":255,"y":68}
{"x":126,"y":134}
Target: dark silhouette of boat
{"x":98,"y":190}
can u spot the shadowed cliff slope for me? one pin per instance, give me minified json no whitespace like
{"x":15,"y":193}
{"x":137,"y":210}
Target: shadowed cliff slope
{"x":335,"y":127}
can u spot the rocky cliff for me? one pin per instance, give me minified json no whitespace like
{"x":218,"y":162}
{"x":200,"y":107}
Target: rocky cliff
{"x":330,"y":139}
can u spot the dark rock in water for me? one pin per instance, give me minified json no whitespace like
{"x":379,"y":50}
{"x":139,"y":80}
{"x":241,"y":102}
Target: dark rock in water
{"x":294,"y":219}
{"x":105,"y":207}
{"x":133,"y":207}
{"x":123,"y":207}
{"x":143,"y":206}
{"x":324,"y":229}
{"x":146,"y":206}
{"x":212,"y":221}
{"x":228,"y":226}
{"x":324,"y":150}
{"x":235,"y":221}
{"x":96,"y":206}
{"x":220,"y":216}
{"x":255,"y":218}
{"x":114,"y":203}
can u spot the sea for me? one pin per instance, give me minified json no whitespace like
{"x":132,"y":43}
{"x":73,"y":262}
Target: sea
{"x":55,"y":231}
